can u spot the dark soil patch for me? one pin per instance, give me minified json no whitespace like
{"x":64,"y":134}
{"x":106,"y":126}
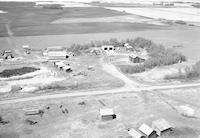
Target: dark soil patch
{"x":15,"y":72}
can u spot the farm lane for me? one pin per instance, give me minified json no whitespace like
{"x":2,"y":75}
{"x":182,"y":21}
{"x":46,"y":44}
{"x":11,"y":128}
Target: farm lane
{"x":130,"y":86}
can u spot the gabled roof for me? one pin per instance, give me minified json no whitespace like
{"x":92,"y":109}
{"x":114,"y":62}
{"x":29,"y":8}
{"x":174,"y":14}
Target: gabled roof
{"x":146,"y":129}
{"x":161,"y":124}
{"x":134,"y":133}
{"x":106,"y":111}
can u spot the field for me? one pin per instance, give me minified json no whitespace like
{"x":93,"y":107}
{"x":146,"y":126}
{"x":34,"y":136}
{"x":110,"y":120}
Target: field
{"x":190,"y":15}
{"x":187,"y":37}
{"x":69,"y":101}
{"x":28,"y":19}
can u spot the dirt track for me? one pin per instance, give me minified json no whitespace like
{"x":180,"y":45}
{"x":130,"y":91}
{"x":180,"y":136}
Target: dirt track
{"x":130,"y":86}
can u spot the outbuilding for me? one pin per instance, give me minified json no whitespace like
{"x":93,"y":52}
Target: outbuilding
{"x":135,"y":134}
{"x":107,"y":114}
{"x":148,"y":131}
{"x":67,"y":69}
{"x":136,"y":59}
{"x":59,"y":65}
{"x":162,"y":126}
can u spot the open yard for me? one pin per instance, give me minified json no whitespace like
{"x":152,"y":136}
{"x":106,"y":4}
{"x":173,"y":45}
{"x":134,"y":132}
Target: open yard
{"x":82,"y":118}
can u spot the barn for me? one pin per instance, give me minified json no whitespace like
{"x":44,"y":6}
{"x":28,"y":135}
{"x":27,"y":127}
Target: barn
{"x":148,"y":131}
{"x":162,"y":126}
{"x":135,"y":134}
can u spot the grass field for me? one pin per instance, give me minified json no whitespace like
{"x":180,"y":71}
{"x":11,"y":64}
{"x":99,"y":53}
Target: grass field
{"x":30,"y":18}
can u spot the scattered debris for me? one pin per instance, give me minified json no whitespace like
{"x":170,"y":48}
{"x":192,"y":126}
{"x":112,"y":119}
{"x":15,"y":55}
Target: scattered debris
{"x":82,"y":103}
{"x":186,"y":111}
{"x":15,"y":88}
{"x":64,"y":110}
{"x":91,"y":68}
{"x":47,"y":107}
{"x":7,"y":54}
{"x":3,"y":122}
{"x":101,"y":102}
{"x":30,"y":122}
{"x":33,"y":111}
{"x":80,"y":73}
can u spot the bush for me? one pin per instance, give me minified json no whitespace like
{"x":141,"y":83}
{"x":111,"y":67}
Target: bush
{"x":15,"y":72}
{"x":158,"y":54}
{"x":128,"y":69}
{"x":190,"y":73}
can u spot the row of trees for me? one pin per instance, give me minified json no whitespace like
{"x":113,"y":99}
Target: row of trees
{"x":189,"y":73}
{"x":158,"y":54}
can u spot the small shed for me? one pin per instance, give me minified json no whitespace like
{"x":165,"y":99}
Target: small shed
{"x":136,"y":59}
{"x":161,"y":126}
{"x":148,"y":131}
{"x":135,"y":134}
{"x":67,"y":69}
{"x":32,"y":111}
{"x":107,"y":114}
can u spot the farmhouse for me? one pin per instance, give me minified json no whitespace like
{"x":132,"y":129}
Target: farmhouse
{"x":135,"y":134}
{"x":108,"y":47}
{"x":136,"y":59}
{"x":161,"y":126}
{"x":107,"y":114}
{"x":148,"y":131}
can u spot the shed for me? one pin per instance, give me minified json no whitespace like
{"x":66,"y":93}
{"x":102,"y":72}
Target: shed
{"x":161,"y":126}
{"x":107,"y":114}
{"x":148,"y":131}
{"x":67,"y":68}
{"x":136,"y":59}
{"x":32,"y":111}
{"x":135,"y":134}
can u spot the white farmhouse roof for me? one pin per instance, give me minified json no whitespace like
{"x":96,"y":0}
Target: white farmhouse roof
{"x":146,"y":129}
{"x":107,"y":111}
{"x":135,"y":134}
{"x":161,"y":124}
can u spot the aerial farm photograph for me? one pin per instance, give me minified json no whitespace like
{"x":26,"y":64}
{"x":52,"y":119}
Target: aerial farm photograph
{"x":99,"y":68}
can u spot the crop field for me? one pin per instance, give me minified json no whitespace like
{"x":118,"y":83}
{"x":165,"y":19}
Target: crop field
{"x":183,"y":14}
{"x":187,"y":37}
{"x":28,"y":19}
